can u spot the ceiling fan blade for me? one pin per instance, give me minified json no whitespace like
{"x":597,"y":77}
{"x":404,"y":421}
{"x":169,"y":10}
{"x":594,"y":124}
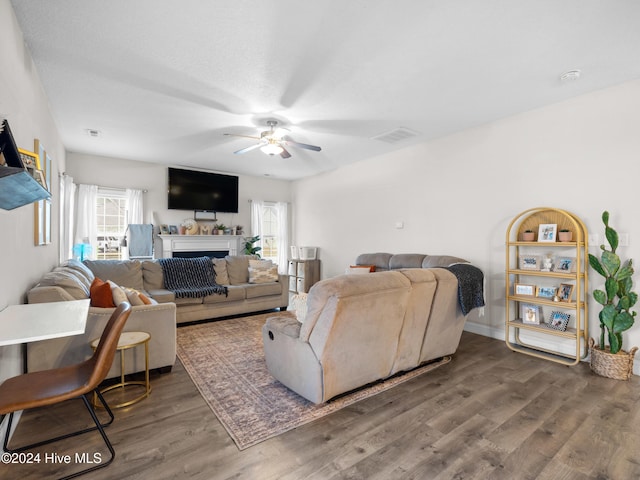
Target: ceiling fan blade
{"x":248,"y":149}
{"x":284,"y":153}
{"x":302,"y":145}
{"x":238,"y":135}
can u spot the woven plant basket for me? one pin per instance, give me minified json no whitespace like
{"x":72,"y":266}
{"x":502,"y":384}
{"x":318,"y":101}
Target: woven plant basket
{"x":618,"y":366}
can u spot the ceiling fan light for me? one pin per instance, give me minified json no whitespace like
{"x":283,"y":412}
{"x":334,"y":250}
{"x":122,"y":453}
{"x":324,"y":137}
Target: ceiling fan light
{"x":272,"y":149}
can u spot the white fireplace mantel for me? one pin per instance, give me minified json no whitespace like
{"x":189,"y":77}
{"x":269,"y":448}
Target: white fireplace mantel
{"x":197,"y":243}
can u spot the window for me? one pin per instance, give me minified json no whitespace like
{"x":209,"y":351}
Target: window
{"x":270,"y":232}
{"x":111,"y":222}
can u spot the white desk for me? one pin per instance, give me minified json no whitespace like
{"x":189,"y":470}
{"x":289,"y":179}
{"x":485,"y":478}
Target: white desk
{"x":40,"y":321}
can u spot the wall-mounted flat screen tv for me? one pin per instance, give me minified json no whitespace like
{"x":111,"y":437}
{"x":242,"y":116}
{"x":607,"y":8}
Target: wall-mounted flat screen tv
{"x":202,"y":191}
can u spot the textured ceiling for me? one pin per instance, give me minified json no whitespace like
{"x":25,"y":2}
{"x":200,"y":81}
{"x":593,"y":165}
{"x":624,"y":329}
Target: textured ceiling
{"x":163,"y":80}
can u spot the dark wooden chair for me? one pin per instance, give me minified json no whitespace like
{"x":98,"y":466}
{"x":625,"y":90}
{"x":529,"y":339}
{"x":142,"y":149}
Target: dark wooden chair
{"x":49,"y":387}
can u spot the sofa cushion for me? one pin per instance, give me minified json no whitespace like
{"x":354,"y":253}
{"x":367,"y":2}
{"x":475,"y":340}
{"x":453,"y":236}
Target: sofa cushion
{"x":101,"y":295}
{"x":152,"y":275}
{"x":188,"y":301}
{"x":262,"y":271}
{"x":66,"y":280}
{"x":162,"y":295}
{"x":262,"y":289}
{"x":380,"y":260}
{"x":406,"y":260}
{"x":431,"y":261}
{"x":118,"y":294}
{"x":220,"y":266}
{"x":235,"y":293}
{"x":238,"y":268}
{"x":126,"y":273}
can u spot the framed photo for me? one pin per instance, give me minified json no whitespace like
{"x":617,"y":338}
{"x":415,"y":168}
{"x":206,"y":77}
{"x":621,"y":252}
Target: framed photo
{"x":173,"y":229}
{"x":547,"y":232}
{"x":39,"y":176}
{"x":559,"y":321}
{"x":164,"y":229}
{"x":546,"y":292}
{"x":522,"y":289}
{"x":564,"y":264}
{"x":565,"y":292}
{"x":30,"y":160}
{"x":530,"y":314}
{"x":529,"y":262}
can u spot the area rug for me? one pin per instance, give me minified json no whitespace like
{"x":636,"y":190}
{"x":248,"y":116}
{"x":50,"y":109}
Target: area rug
{"x":225,"y":360}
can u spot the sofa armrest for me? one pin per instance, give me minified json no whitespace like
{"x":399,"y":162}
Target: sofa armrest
{"x":46,"y":294}
{"x":158,"y":320}
{"x":286,"y":325}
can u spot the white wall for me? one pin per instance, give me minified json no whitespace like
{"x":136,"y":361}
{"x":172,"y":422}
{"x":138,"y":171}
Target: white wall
{"x":24,"y":104}
{"x":457,"y":195}
{"x":118,"y":173}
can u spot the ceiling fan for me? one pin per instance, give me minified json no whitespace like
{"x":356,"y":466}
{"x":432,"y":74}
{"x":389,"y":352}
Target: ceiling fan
{"x":273,"y":142}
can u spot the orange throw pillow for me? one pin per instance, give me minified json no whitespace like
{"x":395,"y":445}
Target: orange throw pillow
{"x":101,"y":295}
{"x":372,"y":268}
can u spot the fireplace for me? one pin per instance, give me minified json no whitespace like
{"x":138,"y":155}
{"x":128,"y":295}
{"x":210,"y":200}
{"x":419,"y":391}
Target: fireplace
{"x":188,"y":246}
{"x":201,"y":253}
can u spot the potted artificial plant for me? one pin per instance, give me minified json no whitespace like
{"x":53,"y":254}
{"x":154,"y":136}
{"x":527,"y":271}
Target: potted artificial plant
{"x":616,"y":315}
{"x":528,"y":236}
{"x":250,"y":248}
{"x":565,"y":235}
{"x":220,"y":228}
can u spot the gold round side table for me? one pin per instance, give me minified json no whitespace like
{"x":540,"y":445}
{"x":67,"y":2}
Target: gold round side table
{"x":127,"y":341}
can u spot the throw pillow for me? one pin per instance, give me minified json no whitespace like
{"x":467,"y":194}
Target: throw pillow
{"x":360,"y":269}
{"x":238,"y":268}
{"x":262,"y":271}
{"x":117,"y":293}
{"x":80,"y":267}
{"x":133,"y":296}
{"x":101,"y":295}
{"x":220,"y":266}
{"x":67,"y":281}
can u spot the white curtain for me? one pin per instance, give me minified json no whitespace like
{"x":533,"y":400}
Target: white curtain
{"x":283,"y":236}
{"x":86,"y":224}
{"x":134,"y":205}
{"x":67,"y":205}
{"x":256,"y":220}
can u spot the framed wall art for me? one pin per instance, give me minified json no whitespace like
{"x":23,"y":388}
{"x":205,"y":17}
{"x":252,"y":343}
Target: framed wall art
{"x":529,"y":262}
{"x":524,"y":290}
{"x":547,"y":232}
{"x":559,"y":321}
{"x":565,"y":292}
{"x":564,"y":265}
{"x":546,"y":292}
{"x":530,"y":313}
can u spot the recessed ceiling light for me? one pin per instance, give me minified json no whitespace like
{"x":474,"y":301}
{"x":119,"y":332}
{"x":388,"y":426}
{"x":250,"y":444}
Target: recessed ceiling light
{"x":92,"y":132}
{"x":570,"y":75}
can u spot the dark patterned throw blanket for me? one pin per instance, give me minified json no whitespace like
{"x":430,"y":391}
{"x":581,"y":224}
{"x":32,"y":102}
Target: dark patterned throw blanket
{"x":470,"y":285}
{"x":191,"y":277}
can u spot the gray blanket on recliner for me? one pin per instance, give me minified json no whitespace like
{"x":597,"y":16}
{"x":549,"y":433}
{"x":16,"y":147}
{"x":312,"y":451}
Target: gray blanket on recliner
{"x":470,"y":286}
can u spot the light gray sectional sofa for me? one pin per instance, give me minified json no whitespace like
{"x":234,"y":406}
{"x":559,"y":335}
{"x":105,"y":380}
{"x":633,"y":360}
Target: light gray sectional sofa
{"x":362,"y":328}
{"x":72,"y":280}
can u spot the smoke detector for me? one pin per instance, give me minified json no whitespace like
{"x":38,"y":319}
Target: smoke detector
{"x":92,"y":132}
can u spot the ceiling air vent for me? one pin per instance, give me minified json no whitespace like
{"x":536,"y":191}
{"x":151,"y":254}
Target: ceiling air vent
{"x":397,"y":135}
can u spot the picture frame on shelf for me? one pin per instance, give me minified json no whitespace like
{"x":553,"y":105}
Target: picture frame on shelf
{"x":565,"y":292}
{"x":559,"y":320}
{"x":524,"y":289}
{"x":173,"y":229}
{"x":164,"y":229}
{"x":529,"y":262}
{"x":546,"y":292}
{"x":564,"y":265}
{"x":547,"y":232}
{"x":530,"y":313}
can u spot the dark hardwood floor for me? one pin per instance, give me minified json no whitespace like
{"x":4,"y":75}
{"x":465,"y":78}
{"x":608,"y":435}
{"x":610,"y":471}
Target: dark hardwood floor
{"x":488,"y":414}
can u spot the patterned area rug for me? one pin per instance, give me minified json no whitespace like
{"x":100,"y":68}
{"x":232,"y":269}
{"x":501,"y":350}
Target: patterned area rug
{"x":225,"y":360}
